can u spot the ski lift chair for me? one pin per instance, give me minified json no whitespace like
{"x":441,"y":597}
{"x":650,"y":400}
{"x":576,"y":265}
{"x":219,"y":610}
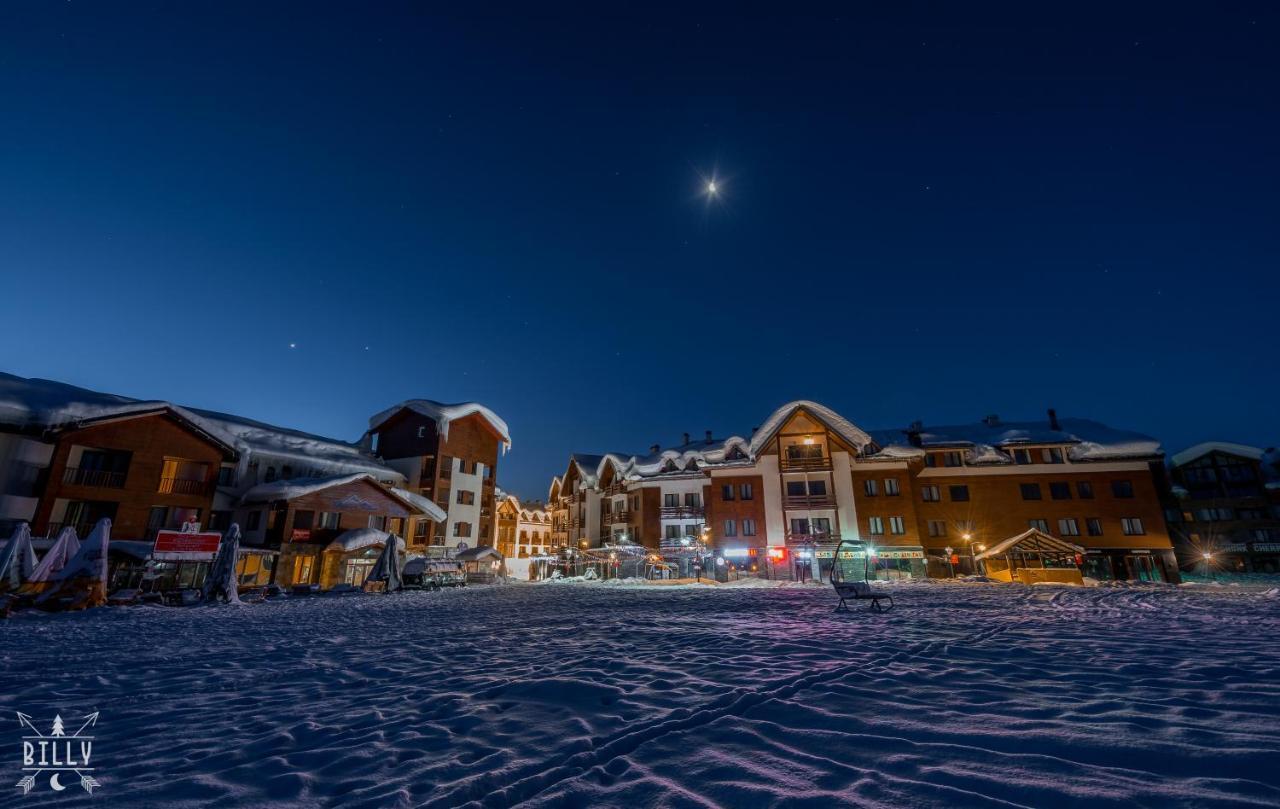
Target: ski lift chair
{"x":856,"y":589}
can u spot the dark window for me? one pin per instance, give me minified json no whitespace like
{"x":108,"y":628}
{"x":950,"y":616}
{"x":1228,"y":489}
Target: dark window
{"x":870,"y":486}
{"x":1122,"y":488}
{"x":952,"y":459}
{"x":891,"y":487}
{"x":1085,"y":489}
{"x":1132,"y":526}
{"x":378,"y":521}
{"x":748,"y":528}
{"x":1030,"y":491}
{"x":1051,"y":455}
{"x":462,"y":529}
{"x":227,"y":476}
{"x":817,"y":487}
{"x":1060,"y":491}
{"x":692,"y":499}
{"x":960,"y":494}
{"x":252,"y":520}
{"x":466,"y":498}
{"x":303,"y":519}
{"x":747,"y":491}
{"x":930,"y":494}
{"x":329,"y":519}
{"x":795,"y":488}
{"x":671,"y":500}
{"x":726,"y":491}
{"x":930,"y":459}
{"x":1022,"y":456}
{"x":1040,"y":525}
{"x":1094,"y":526}
{"x":730,"y":528}
{"x":271,"y":474}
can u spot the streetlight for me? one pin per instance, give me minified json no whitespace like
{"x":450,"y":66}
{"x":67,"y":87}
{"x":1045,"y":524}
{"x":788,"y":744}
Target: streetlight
{"x":973,"y":559}
{"x":950,"y":565}
{"x":1208,"y":557}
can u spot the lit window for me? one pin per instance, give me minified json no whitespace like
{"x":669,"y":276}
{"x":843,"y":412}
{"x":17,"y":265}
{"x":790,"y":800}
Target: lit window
{"x":1132,"y":526}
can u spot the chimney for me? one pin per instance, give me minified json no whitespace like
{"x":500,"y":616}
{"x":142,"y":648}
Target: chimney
{"x":753,"y":430}
{"x":686,"y":440}
{"x":653,"y":450}
{"x":709,"y":438}
{"x":1053,"y":420}
{"x":913,"y":433}
{"x":992,"y":421}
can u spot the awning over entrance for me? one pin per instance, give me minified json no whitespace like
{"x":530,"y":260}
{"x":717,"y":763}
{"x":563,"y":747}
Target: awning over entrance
{"x":1032,"y":542}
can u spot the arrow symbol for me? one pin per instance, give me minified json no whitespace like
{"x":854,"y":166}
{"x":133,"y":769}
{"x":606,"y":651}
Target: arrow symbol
{"x":26,"y":720}
{"x":91,"y":720}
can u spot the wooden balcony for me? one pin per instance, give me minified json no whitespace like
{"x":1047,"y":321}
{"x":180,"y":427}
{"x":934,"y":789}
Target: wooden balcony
{"x":808,"y":501}
{"x":682,"y":513}
{"x":805,"y":464}
{"x":615,"y":517}
{"x":98,"y":478}
{"x":183,"y":486}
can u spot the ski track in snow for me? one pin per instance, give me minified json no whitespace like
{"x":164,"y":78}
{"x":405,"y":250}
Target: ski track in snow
{"x":599,"y":695}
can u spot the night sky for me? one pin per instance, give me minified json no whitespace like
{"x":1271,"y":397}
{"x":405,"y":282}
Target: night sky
{"x":304,"y":216}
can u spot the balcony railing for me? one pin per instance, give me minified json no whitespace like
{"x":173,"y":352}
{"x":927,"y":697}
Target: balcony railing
{"x":615,"y":517}
{"x":804,"y":501}
{"x":106,"y":479}
{"x":682,"y":512}
{"x":616,"y":488}
{"x":183,"y":486}
{"x":805,"y":463}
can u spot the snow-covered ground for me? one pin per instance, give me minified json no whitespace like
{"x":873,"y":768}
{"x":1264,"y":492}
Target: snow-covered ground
{"x":606,"y":695}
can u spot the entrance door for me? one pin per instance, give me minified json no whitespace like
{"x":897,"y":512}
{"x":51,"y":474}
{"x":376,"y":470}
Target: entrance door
{"x":302,"y":570}
{"x":1142,"y":568}
{"x":357,"y":571}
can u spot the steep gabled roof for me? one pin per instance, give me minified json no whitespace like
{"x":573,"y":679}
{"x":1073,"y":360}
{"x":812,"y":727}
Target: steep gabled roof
{"x":444,"y":414}
{"x":37,"y":405}
{"x":838,"y":424}
{"x":1199,"y":450}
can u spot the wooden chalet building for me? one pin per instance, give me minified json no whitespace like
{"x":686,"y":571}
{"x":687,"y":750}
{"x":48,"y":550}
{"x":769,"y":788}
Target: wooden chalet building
{"x":447,"y":454}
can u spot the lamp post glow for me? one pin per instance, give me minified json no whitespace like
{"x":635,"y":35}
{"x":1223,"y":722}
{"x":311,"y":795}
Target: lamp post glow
{"x":1208,"y":557}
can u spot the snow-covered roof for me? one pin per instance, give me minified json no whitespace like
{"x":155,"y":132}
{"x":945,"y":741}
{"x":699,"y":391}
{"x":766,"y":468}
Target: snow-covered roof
{"x":1086,"y":440}
{"x":297,"y":487}
{"x":477,"y":553}
{"x":1199,"y":450}
{"x":423,"y":504}
{"x":301,"y":487}
{"x":443,"y":414}
{"x":1032,"y":540}
{"x":836,"y":422}
{"x":42,"y":404}
{"x":358,"y":538}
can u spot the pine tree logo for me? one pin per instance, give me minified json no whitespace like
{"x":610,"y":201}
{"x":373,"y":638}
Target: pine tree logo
{"x":57,"y":753}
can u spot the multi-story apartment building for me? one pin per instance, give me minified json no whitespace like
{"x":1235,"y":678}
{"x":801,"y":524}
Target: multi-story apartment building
{"x":448,"y":454}
{"x":1223,"y":507}
{"x":931,"y":501}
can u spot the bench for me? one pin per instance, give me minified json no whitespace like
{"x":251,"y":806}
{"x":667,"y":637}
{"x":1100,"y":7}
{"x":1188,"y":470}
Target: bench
{"x":861,"y":591}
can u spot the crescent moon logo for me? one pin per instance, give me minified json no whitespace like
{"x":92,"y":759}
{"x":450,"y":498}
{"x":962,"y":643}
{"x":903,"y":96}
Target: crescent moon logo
{"x":53,"y":782}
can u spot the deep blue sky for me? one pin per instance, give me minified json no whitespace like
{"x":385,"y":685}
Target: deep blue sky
{"x":925,"y":214}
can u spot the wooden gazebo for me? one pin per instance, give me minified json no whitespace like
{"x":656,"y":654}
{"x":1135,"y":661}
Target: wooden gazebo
{"x":1033,"y":556}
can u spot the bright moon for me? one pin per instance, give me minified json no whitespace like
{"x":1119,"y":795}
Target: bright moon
{"x":711,"y":187}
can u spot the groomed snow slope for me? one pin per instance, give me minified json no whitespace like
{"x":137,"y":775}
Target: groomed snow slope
{"x":965,"y":695}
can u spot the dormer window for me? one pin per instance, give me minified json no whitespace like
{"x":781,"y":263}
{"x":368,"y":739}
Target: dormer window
{"x":1052,"y":455}
{"x":1022,"y":456}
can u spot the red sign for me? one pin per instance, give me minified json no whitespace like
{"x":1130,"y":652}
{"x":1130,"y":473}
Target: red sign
{"x":205,"y":542}
{"x":300,"y":534}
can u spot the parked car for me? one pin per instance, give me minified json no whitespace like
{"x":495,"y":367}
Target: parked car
{"x":458,"y":579}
